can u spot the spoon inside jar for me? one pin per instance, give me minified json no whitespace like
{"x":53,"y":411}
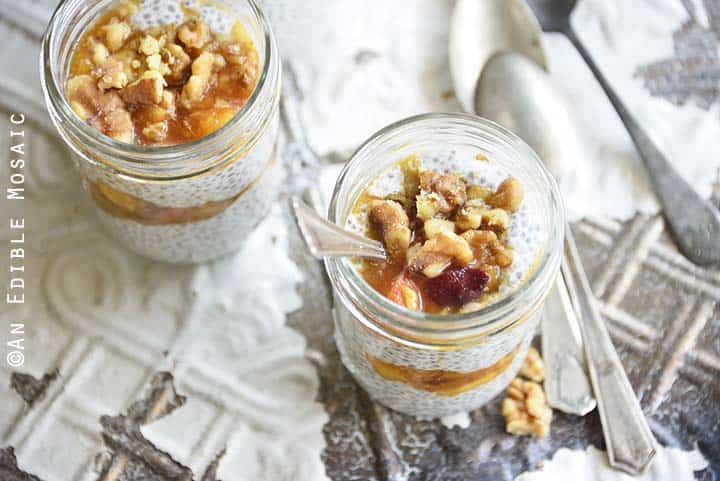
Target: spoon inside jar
{"x":325,"y":239}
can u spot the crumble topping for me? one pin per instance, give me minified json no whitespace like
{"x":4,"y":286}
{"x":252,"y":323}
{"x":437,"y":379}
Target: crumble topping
{"x":174,"y":82}
{"x":446,"y":237}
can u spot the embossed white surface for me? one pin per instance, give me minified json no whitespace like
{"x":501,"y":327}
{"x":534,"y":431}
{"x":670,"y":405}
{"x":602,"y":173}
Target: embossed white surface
{"x":591,"y":464}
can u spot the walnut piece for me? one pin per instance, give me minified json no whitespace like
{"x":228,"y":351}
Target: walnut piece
{"x":487,"y":248}
{"x":526,"y":410}
{"x":194,"y":33}
{"x":178,"y":62}
{"x":196,"y":86}
{"x":154,"y":62}
{"x":115,"y":35}
{"x":149,"y":46}
{"x":449,"y":187}
{"x":438,"y":252}
{"x":394,"y":225}
{"x":100,"y":53}
{"x":147,"y":90}
{"x":110,"y":74}
{"x":433,"y":227}
{"x":156,"y":132}
{"x":478,"y":192}
{"x":427,"y":205}
{"x":533,"y":367}
{"x":235,"y":54}
{"x":105,"y":111}
{"x":508,"y":196}
{"x":475,"y":214}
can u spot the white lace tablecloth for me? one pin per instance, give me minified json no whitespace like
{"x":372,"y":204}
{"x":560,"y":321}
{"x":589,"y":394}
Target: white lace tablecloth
{"x":108,"y":320}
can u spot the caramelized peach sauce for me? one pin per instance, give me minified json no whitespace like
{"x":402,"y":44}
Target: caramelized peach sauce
{"x":126,"y":206}
{"x":446,"y":240}
{"x":163,"y":85}
{"x":442,"y":383}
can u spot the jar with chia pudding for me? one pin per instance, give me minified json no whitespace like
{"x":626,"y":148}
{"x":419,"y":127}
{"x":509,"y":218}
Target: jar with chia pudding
{"x":172,"y":109}
{"x":473,"y":227}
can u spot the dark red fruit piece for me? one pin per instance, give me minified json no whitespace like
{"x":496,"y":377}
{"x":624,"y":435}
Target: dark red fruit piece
{"x":457,"y":286}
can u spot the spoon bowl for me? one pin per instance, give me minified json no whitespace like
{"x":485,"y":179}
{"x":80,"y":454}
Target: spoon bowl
{"x":514,"y":92}
{"x":325,"y":239}
{"x":478,"y":30}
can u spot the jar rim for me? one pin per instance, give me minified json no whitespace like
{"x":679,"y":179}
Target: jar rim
{"x":127,"y":157}
{"x":381,"y":313}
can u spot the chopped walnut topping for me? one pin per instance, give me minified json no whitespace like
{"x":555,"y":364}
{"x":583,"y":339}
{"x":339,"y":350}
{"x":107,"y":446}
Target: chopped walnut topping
{"x":147,"y":90}
{"x":156,"y":132}
{"x":116,"y":34}
{"x":433,"y":227}
{"x":153,"y":70}
{"x":154,"y":62}
{"x":526,"y":410}
{"x":497,"y":219}
{"x":438,"y":252}
{"x":103,"y":110}
{"x":487,"y":248}
{"x":534,"y":367}
{"x":459,"y":247}
{"x":149,"y":46}
{"x":179,"y":63}
{"x":168,"y":101}
{"x":475,"y":214}
{"x":235,"y":54}
{"x":394,"y":226}
{"x":100,"y":53}
{"x":502,"y":255}
{"x":508,"y":196}
{"x":194,"y":33}
{"x":110,"y":74}
{"x":197,"y":84}
{"x":478,"y":192}
{"x":428,"y":205}
{"x":449,"y":187}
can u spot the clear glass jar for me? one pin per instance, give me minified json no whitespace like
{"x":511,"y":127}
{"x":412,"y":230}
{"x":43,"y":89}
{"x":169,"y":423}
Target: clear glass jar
{"x":440,"y":364}
{"x":183,"y":203}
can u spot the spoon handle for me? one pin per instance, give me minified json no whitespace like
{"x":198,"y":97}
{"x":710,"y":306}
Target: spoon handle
{"x":694,"y":221}
{"x":325,"y":239}
{"x":629,"y":441}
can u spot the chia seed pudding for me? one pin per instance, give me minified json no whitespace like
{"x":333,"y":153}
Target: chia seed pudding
{"x":174,"y":117}
{"x":467,"y":238}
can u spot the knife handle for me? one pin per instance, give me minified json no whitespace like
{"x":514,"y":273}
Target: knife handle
{"x":629,"y":441}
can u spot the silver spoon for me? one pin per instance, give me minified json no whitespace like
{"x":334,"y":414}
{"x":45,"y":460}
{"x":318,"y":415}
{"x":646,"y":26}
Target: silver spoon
{"x":479,"y":32}
{"x":511,"y":78}
{"x":325,"y":239}
{"x":693,"y":221}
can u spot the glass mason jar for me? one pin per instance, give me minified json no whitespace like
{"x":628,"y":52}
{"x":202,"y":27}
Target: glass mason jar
{"x":182,"y":203}
{"x":441,"y":364}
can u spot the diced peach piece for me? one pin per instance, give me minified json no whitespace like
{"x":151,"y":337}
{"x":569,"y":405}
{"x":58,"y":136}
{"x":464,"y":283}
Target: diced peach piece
{"x":405,"y":292}
{"x":207,"y":121}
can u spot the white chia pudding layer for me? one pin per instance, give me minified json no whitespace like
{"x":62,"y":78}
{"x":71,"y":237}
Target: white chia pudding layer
{"x":155,"y":13}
